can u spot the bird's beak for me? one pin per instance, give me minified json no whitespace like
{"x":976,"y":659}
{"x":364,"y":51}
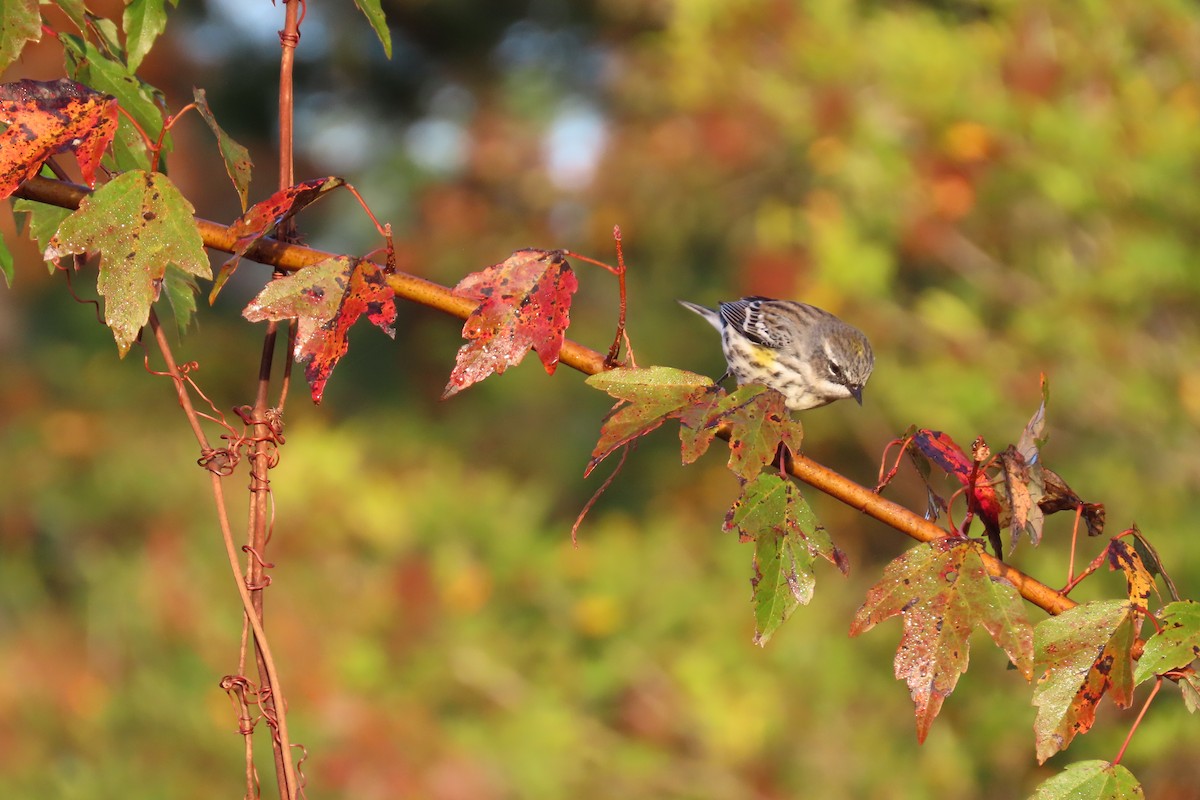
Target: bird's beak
{"x":856,"y":393}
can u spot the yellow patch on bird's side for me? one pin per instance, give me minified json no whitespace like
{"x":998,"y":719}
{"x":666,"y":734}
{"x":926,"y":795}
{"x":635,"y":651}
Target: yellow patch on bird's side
{"x":763,"y":357}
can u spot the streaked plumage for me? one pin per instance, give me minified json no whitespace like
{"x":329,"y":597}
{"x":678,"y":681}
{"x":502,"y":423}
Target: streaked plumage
{"x":805,"y":353}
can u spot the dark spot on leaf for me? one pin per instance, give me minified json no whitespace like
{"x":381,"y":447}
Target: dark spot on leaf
{"x":149,"y":216}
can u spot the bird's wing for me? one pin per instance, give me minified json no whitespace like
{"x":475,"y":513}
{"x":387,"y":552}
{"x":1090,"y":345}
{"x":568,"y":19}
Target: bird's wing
{"x":747,"y":316}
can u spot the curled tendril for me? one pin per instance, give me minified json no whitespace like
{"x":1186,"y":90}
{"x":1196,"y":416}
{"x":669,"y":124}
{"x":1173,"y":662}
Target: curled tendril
{"x":265,"y":565}
{"x":221,"y":462}
{"x":242,"y":694}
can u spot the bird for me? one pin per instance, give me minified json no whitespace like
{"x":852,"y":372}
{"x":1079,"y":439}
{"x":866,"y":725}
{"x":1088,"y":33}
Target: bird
{"x":805,"y":353}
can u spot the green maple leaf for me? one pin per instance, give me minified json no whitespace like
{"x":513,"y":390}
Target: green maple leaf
{"x":758,"y":423}
{"x":236,"y":157}
{"x":43,"y":221}
{"x":21,"y":23}
{"x":649,"y":397}
{"x":943,"y":593}
{"x":1175,"y":645}
{"x":143,"y":21}
{"x":1081,"y":654}
{"x":138,"y":223}
{"x":773,"y":514}
{"x":92,"y":67}
{"x":374,"y":14}
{"x":1091,"y":780}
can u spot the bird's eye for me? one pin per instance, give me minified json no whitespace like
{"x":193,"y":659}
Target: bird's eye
{"x":834,"y":370}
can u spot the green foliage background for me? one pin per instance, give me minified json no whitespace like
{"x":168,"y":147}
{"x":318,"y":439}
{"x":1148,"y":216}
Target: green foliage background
{"x":990,"y":190}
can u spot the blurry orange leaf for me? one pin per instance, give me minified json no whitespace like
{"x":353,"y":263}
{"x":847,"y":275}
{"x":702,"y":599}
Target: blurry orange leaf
{"x":773,"y":514}
{"x":649,"y":397}
{"x":139,"y":223}
{"x":1081,"y":654}
{"x":1138,"y":580}
{"x":326,"y":299}
{"x":944,"y":593}
{"x":45,"y":118}
{"x":525,"y":302}
{"x":264,"y":217}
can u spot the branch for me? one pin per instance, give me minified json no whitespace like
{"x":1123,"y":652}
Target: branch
{"x":290,"y":257}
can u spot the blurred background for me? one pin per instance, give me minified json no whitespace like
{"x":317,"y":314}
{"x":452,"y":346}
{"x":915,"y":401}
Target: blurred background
{"x":990,"y":190}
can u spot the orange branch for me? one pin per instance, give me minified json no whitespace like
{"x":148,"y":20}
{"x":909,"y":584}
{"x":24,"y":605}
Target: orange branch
{"x":290,"y":257}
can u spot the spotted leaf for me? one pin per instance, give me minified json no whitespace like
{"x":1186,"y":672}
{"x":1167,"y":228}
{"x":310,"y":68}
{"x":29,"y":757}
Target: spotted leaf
{"x":139,"y":223}
{"x":45,"y":118}
{"x":1081,"y":655}
{"x":524,"y":303}
{"x":326,"y":299}
{"x":943,"y":592}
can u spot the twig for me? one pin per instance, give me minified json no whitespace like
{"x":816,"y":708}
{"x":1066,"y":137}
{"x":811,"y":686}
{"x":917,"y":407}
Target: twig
{"x":1158,"y":682}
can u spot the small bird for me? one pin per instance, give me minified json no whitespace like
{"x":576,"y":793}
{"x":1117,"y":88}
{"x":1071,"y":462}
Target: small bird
{"x":803,"y":352}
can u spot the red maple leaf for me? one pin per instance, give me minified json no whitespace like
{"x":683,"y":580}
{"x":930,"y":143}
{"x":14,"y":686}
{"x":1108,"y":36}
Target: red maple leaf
{"x":263,"y":217}
{"x":525,"y":303}
{"x":45,"y":118}
{"x":326,"y":298}
{"x":939,"y":448}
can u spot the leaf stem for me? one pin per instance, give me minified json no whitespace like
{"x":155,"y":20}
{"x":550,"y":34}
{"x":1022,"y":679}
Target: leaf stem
{"x":1158,"y":681}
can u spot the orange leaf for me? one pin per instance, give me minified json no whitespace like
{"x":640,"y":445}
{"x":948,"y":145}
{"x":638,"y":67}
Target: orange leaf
{"x":45,"y":118}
